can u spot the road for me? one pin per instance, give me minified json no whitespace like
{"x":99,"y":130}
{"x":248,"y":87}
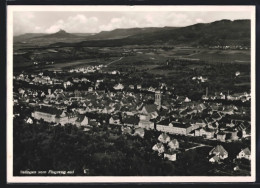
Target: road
{"x":115,"y":61}
{"x":201,"y":145}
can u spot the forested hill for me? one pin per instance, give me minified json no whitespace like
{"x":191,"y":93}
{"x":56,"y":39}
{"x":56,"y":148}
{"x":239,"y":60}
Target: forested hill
{"x":224,"y":32}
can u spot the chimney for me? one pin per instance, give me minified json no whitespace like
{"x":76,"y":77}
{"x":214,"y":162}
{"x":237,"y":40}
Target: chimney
{"x":207,"y":92}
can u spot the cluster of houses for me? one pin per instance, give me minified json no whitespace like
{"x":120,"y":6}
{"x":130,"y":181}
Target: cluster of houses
{"x":177,"y":115}
{"x":218,"y":153}
{"x":39,"y":79}
{"x":167,"y":147}
{"x":244,"y":96}
{"x":199,"y":79}
{"x":88,"y":69}
{"x":133,"y":131}
{"x":169,"y":114}
{"x":230,"y":47}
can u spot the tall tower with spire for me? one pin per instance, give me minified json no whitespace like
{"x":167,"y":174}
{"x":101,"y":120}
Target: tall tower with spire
{"x":158,"y":98}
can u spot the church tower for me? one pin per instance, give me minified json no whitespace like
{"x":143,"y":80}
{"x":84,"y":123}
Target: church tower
{"x":158,"y":98}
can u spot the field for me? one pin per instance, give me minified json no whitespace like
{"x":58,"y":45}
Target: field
{"x":144,"y":58}
{"x":223,"y":56}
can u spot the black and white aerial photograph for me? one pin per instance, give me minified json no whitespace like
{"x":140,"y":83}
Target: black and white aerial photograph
{"x":131,"y":93}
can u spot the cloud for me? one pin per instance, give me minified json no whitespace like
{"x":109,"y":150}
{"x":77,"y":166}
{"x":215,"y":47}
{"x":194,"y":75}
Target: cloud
{"x":146,"y":20}
{"x":122,"y":22}
{"x":75,"y":24}
{"x":23,"y":22}
{"x":94,"y":22}
{"x":199,"y":20}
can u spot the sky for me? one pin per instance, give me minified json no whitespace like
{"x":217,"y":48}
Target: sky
{"x":94,"y":22}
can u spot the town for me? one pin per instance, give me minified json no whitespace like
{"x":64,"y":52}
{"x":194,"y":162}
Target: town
{"x":135,"y":110}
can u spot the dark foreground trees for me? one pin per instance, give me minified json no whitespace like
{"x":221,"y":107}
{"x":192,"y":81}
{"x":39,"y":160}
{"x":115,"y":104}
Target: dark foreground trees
{"x":103,"y":152}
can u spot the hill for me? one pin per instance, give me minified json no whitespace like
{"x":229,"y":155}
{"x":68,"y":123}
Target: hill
{"x":41,"y":39}
{"x":27,"y":36}
{"x":60,"y":34}
{"x":123,"y":33}
{"x":223,"y":32}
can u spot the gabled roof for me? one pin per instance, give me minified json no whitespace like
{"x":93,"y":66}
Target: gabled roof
{"x":49,"y":110}
{"x":216,"y":158}
{"x":174,"y":141}
{"x":93,"y":122}
{"x":159,"y":145}
{"x":215,"y":115}
{"x":150,"y":108}
{"x":165,"y":122}
{"x":164,"y":136}
{"x":209,"y":120}
{"x":181,"y":125}
{"x":131,"y":120}
{"x":206,"y":129}
{"x":219,"y":149}
{"x":139,"y":131}
{"x":171,"y":152}
{"x":247,"y":151}
{"x":200,"y":121}
{"x":80,"y":118}
{"x":221,"y":133}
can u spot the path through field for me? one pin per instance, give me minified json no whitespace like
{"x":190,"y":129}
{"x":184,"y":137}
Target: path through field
{"x":115,"y":61}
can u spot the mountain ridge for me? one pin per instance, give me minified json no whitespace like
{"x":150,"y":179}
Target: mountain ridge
{"x":220,"y":32}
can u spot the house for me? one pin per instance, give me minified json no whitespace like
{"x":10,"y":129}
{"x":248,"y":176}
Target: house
{"x":219,"y":151}
{"x":221,"y":136}
{"x":158,"y":147}
{"x":114,"y":120}
{"x":93,"y":123}
{"x":82,"y":120}
{"x":90,"y":89}
{"x":149,"y":109}
{"x":108,"y":110}
{"x":187,"y":99}
{"x":140,"y":132}
{"x":146,"y":114}
{"x":58,"y":91}
{"x":230,"y":123}
{"x":201,"y":107}
{"x":29,"y":121}
{"x":164,"y":138}
{"x":244,"y":153}
{"x":126,"y":130}
{"x":214,"y":125}
{"x":214,"y":159}
{"x":118,"y":87}
{"x":145,"y":123}
{"x":200,"y":123}
{"x":231,"y":134}
{"x":163,"y":125}
{"x":174,"y":144}
{"x":209,"y":120}
{"x":131,"y":120}
{"x":170,"y":155}
{"x":216,"y":116}
{"x":205,"y":132}
{"x":180,"y":128}
{"x":51,"y":115}
{"x":21,"y":91}
{"x":131,"y":86}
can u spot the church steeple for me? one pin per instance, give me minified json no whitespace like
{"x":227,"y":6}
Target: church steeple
{"x":158,"y":98}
